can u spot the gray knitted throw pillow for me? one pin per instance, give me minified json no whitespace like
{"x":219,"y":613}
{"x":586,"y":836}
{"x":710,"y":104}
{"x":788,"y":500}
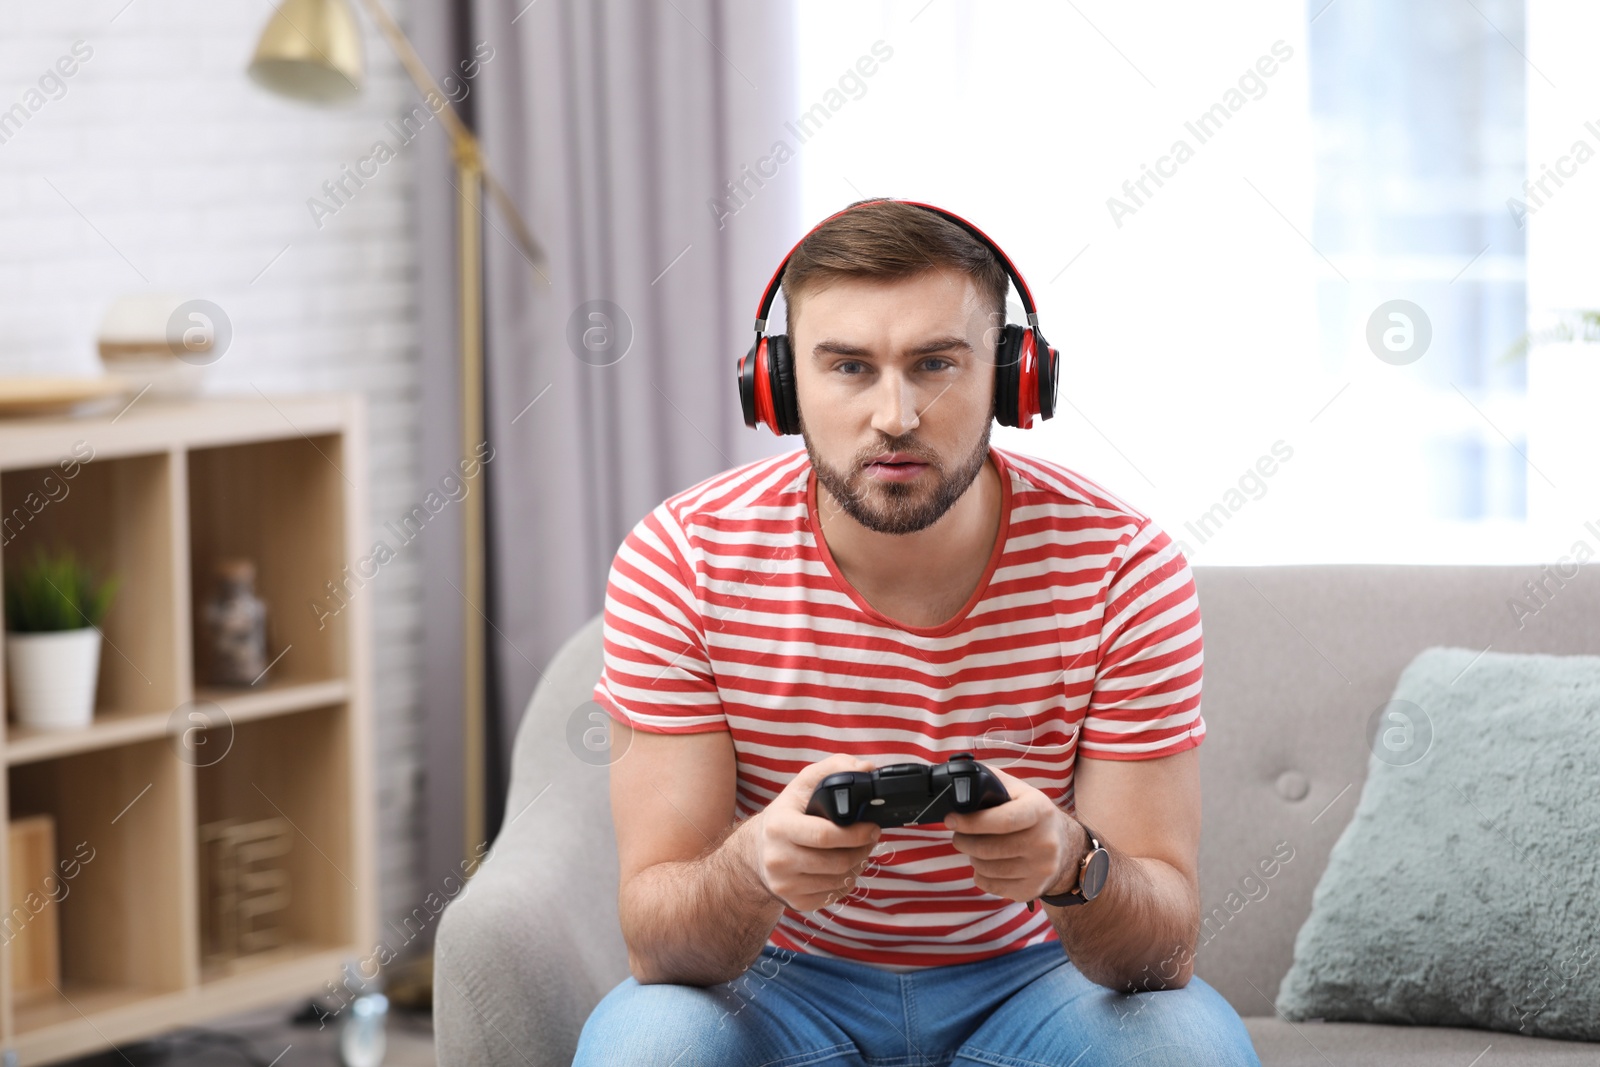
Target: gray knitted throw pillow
{"x":1466,"y":889}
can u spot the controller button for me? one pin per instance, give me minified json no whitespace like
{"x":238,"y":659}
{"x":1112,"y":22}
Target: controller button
{"x":963,"y":790}
{"x":841,"y":800}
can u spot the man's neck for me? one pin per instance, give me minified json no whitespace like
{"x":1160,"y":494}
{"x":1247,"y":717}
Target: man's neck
{"x":947,"y":552}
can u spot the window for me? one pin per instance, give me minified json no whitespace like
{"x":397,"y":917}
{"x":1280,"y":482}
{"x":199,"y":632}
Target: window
{"x":1214,"y":208}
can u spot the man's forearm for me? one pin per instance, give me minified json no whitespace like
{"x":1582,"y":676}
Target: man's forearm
{"x":700,"y":921}
{"x":1139,"y":932}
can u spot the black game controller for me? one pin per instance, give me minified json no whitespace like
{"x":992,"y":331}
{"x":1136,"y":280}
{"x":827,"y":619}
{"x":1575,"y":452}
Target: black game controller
{"x":905,"y":794}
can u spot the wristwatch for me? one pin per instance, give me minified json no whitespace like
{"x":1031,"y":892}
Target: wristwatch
{"x":1091,"y":875}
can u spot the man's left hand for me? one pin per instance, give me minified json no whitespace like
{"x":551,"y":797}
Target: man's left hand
{"x":1022,"y":848}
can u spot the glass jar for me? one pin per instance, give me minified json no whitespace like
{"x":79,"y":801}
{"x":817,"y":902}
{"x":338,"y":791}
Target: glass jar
{"x":235,"y":626}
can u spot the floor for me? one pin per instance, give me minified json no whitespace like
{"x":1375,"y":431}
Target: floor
{"x":266,"y":1037}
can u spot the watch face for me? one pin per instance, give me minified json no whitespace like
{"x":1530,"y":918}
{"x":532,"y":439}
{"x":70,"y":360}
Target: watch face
{"x":1094,"y":875}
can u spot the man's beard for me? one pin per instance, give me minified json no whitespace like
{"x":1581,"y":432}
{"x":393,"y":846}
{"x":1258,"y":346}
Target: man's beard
{"x":900,"y":507}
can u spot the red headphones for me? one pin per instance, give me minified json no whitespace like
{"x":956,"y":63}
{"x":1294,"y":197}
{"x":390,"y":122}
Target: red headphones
{"x":1025,"y":366}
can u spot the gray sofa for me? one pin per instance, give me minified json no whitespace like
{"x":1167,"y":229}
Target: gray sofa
{"x":1296,"y":659}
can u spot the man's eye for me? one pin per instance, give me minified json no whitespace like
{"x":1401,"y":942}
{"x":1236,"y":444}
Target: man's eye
{"x":844,"y":366}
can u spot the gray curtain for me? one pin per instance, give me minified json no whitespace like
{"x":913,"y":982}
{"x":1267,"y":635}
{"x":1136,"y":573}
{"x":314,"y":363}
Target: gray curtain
{"x":616,"y":126}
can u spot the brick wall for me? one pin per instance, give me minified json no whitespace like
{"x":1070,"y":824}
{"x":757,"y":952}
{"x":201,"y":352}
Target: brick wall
{"x":159,"y":166}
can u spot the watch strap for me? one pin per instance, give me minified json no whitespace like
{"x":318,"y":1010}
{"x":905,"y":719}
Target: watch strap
{"x":1075,"y":894}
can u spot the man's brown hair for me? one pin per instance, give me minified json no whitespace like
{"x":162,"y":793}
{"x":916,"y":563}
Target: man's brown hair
{"x":890,"y":240}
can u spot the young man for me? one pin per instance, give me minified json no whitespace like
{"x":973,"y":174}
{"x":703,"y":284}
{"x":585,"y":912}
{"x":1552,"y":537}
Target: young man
{"x":901,"y":591}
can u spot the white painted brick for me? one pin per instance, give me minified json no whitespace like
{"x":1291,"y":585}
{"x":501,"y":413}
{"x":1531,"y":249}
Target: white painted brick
{"x":200,"y":178}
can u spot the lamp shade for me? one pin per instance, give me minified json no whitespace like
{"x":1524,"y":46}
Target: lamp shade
{"x":310,"y":50}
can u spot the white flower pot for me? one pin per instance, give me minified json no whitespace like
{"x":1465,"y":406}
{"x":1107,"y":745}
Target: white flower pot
{"x":53,"y":677}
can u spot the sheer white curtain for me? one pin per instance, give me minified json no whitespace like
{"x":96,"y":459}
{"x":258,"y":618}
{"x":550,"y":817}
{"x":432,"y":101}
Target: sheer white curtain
{"x":1171,"y":185}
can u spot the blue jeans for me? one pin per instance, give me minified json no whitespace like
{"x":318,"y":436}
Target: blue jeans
{"x":1028,"y":1008}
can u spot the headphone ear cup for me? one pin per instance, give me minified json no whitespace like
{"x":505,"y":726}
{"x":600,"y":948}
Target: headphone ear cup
{"x":780,"y":357}
{"x":1049,"y":378}
{"x":747,"y":385}
{"x":1007,"y":371}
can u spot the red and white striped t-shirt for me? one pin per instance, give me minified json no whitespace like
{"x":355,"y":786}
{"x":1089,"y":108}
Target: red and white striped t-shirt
{"x":725,"y":611}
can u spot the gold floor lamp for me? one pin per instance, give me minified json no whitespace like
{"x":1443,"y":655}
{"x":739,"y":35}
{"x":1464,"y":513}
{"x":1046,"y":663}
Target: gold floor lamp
{"x":311,"y":50}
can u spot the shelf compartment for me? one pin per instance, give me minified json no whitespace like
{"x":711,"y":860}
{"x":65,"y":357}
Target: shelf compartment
{"x":117,"y":516}
{"x":291,"y":769}
{"x":122,"y":899}
{"x":279,"y":504}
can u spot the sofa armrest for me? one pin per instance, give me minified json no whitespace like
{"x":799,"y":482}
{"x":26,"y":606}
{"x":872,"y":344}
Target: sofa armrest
{"x":531,"y":944}
{"x":519,"y":960}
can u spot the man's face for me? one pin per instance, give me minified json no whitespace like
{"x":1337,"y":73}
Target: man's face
{"x":902,"y":366}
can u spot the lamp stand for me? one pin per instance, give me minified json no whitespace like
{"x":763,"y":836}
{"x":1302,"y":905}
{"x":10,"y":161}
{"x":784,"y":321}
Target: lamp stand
{"x":469,"y":171}
{"x":473,"y":176}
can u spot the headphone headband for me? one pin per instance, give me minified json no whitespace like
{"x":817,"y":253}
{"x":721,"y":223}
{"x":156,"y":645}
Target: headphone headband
{"x":1025,"y":365}
{"x":1015,"y":275}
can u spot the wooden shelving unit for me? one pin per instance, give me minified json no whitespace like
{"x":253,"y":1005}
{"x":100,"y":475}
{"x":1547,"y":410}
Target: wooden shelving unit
{"x":169,"y":488}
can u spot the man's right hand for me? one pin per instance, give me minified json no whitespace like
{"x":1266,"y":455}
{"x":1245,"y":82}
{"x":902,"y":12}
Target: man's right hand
{"x":807,"y":861}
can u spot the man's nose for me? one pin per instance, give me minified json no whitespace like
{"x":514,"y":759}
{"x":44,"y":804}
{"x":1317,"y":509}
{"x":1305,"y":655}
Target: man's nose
{"x":894,"y":409}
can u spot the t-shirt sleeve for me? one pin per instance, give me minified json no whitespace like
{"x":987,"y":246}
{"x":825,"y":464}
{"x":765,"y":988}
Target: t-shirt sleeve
{"x":1146,"y":699}
{"x":656,"y":675}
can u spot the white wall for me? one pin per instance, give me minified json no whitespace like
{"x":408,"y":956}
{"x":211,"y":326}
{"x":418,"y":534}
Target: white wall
{"x":171,"y":170}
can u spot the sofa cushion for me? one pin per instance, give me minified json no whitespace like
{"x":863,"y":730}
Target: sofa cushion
{"x":1464,"y":892}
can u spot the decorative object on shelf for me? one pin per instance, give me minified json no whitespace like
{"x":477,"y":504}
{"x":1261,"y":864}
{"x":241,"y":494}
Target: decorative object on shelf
{"x":162,"y":341}
{"x":243,"y":895}
{"x":234,"y":626}
{"x":54,"y":607}
{"x":54,"y":396}
{"x":32,"y":898}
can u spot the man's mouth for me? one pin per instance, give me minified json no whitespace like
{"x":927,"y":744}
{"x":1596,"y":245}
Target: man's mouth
{"x":896,"y":459}
{"x":896,"y":465}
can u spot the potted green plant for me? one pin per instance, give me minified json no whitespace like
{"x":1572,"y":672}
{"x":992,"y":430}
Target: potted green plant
{"x":54,"y":606}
